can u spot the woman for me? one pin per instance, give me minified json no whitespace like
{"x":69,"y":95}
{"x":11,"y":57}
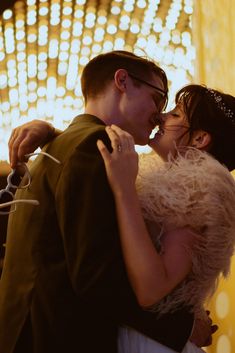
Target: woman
{"x":176,"y":256}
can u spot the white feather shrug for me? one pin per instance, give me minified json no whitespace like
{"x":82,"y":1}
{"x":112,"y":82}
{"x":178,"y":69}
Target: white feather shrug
{"x":196,"y":191}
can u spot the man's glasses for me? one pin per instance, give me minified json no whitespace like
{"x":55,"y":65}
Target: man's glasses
{"x":161,"y":103}
{"x":19,"y":178}
{"x":160,"y":91}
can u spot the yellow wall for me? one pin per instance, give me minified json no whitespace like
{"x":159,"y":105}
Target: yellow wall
{"x":223,"y":308}
{"x":214,"y":38}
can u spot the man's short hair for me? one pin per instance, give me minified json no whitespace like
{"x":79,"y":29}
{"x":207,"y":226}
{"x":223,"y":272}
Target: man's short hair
{"x":100,"y":71}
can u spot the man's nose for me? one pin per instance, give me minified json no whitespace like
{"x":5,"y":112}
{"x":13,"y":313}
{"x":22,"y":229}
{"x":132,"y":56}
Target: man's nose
{"x":158,"y":119}
{"x":163,"y":117}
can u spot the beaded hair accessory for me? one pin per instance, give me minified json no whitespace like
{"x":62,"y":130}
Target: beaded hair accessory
{"x":221,"y":105}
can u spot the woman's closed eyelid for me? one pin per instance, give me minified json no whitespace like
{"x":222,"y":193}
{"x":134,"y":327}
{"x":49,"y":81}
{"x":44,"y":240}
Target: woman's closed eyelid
{"x":174,"y":113}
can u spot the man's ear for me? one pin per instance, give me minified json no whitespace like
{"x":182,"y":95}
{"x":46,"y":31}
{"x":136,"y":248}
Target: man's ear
{"x":120,"y":79}
{"x":201,"y":139}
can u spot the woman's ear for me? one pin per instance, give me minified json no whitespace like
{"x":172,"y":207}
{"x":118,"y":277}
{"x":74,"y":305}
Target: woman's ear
{"x":120,"y":79}
{"x":201,"y":139}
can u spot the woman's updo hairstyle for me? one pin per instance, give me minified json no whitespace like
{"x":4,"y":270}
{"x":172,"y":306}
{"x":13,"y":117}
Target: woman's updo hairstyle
{"x":212,"y":111}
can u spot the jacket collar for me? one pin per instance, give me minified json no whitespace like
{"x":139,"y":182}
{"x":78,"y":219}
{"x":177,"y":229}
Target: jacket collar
{"x":87,"y":118}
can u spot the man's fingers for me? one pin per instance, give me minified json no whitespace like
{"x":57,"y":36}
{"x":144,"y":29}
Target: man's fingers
{"x":22,"y":144}
{"x":14,"y":152}
{"x":28,"y":137}
{"x":11,"y":139}
{"x":214,"y":328}
{"x":10,"y":144}
{"x":208,"y":342}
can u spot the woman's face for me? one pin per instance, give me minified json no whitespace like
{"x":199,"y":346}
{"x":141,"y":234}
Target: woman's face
{"x":172,"y":134}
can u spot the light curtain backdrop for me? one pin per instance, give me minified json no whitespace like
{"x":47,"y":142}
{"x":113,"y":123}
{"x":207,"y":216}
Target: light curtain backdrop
{"x":213,"y":30}
{"x":214,"y":37}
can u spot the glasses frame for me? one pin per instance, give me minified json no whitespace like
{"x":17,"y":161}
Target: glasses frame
{"x":163,"y":93}
{"x":12,"y":173}
{"x":11,"y":185}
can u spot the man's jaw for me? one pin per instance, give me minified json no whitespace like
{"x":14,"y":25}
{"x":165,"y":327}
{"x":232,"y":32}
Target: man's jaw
{"x":160,"y":131}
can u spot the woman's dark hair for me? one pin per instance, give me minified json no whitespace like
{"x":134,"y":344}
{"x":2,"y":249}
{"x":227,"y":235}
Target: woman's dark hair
{"x":213,"y":112}
{"x":101,"y":69}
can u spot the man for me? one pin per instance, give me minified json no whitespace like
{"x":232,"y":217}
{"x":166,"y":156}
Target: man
{"x":64,"y":287}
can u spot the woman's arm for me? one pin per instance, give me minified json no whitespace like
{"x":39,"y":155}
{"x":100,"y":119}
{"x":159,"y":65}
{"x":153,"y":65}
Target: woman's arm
{"x":28,"y":137}
{"x":152,"y":275}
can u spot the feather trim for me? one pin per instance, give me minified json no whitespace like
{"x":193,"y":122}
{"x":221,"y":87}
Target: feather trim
{"x":197,"y":191}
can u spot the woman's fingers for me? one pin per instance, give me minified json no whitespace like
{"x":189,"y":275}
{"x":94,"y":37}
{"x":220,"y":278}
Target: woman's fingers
{"x":116,"y":142}
{"x":120,"y":139}
{"x":121,"y":159}
{"x":126,"y":139}
{"x":103,"y":151}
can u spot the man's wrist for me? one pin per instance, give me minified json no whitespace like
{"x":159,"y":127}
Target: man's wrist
{"x":50,"y":135}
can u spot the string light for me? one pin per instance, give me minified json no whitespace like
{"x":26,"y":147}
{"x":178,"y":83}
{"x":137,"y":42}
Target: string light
{"x":44,"y":46}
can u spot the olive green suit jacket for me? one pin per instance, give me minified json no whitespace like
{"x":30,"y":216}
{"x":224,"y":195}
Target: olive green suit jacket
{"x":63,"y":267}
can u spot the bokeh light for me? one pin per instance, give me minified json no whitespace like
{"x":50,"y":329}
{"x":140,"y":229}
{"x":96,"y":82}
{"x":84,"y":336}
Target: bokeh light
{"x":44,"y":46}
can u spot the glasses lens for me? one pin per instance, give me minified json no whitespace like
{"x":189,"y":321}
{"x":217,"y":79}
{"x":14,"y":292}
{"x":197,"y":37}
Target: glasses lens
{"x":5,"y":196}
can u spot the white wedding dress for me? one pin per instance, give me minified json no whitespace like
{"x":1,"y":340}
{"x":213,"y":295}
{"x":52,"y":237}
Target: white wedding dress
{"x":132,"y":341}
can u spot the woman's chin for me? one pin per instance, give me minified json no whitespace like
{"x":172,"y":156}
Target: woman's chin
{"x":158,"y":151}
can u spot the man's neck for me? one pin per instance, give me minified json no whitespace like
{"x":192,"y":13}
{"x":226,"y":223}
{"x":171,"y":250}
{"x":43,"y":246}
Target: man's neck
{"x":104,"y":111}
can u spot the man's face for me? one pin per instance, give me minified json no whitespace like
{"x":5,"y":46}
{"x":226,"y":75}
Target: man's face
{"x":141,"y":105}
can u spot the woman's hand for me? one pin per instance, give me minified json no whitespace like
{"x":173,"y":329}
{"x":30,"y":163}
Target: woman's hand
{"x":203,"y":330}
{"x":27,"y":138}
{"x":151,"y":275}
{"x":122,"y":164}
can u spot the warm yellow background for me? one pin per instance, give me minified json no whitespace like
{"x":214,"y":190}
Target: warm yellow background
{"x":214,"y":38}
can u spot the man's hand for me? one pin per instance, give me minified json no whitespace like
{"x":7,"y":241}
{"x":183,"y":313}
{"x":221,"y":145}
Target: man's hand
{"x":203,"y":330}
{"x":27,"y":138}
